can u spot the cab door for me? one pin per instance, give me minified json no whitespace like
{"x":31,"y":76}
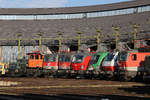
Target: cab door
{"x":31,"y":60}
{"x":133,"y":63}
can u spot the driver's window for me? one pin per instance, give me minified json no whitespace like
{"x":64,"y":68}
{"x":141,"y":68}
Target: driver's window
{"x":134,"y":57}
{"x":32,"y":57}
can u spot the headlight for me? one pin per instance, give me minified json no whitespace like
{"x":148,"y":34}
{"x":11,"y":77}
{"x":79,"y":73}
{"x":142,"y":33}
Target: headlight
{"x":91,"y":68}
{"x":37,"y":65}
{"x":16,"y":70}
{"x":61,"y":67}
{"x":82,"y":67}
{"x":47,"y":67}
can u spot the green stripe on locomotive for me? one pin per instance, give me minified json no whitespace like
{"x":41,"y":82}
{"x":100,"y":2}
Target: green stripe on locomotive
{"x":97,"y":60}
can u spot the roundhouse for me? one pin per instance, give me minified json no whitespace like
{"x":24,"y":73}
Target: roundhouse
{"x":29,"y":22}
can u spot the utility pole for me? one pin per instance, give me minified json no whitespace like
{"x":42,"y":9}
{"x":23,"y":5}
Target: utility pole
{"x":98,"y":38}
{"x":23,"y":51}
{"x":148,"y":21}
{"x":40,"y":41}
{"x":79,"y":40}
{"x":135,"y":27}
{"x":19,"y":44}
{"x":116,"y":29}
{"x":60,"y":40}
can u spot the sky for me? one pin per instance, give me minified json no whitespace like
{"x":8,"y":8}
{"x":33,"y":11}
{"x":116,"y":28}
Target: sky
{"x":52,"y":3}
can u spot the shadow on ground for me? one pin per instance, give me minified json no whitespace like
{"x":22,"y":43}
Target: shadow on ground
{"x":69,"y":97}
{"x":145,"y":90}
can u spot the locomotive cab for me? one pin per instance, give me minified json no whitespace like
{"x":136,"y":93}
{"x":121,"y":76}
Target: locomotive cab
{"x":131,"y":64}
{"x":64,"y":62}
{"x":95,"y":64}
{"x":80,"y":63}
{"x":109,"y":65}
{"x":64,"y":65}
{"x":35,"y":60}
{"x":51,"y":62}
{"x":96,"y":60}
{"x":35,"y":64}
{"x":110,"y":62}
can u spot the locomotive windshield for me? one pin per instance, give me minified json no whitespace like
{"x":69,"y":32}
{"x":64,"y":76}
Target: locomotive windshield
{"x":50,"y":58}
{"x":63,"y":58}
{"x":123,"y":56}
{"x":109,"y":57}
{"x":77,"y":58}
{"x":94,"y":59}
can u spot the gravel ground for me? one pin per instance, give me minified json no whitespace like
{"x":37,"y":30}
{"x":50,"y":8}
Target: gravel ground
{"x":72,"y":89}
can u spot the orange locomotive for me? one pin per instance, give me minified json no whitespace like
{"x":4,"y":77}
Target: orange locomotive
{"x":35,"y":64}
{"x":35,"y":59}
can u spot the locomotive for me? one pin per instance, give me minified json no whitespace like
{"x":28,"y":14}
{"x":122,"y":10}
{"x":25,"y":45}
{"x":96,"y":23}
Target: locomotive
{"x":109,"y":64}
{"x":131,"y":64}
{"x":35,"y":64}
{"x":57,"y":64}
{"x":124,"y":65}
{"x":94,"y":69}
{"x":80,"y":63}
{"x":50,"y":64}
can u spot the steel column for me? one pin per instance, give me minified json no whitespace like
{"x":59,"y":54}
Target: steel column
{"x":116,"y":29}
{"x":19,"y":44}
{"x":60,"y":41}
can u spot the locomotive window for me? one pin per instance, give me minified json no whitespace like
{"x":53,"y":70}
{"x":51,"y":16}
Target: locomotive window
{"x":46,"y":58}
{"x":41,"y":56}
{"x":134,"y":57}
{"x":109,"y":57}
{"x":67,"y":59}
{"x":94,"y":59}
{"x":51,"y":59}
{"x":77,"y":58}
{"x":61,"y":58}
{"x":37,"y":57}
{"x":32,"y":57}
{"x":123,"y":56}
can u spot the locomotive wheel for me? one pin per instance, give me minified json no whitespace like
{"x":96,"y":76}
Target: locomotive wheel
{"x":47,"y":75}
{"x":109,"y":78}
{"x":55,"y":74}
{"x":29,"y":75}
{"x":12,"y":74}
{"x":124,"y":78}
{"x":35,"y":75}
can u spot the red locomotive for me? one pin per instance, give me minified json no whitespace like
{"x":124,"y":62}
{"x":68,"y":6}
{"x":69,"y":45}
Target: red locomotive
{"x":80,"y":64}
{"x":131,"y":64}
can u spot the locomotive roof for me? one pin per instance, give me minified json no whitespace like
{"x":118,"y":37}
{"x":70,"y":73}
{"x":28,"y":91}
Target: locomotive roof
{"x":35,"y":52}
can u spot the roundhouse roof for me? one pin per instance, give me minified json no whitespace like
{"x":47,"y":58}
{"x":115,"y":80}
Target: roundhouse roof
{"x":49,"y":28}
{"x":30,"y":28}
{"x":74,"y":9}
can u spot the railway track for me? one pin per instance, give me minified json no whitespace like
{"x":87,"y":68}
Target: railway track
{"x":71,"y":89}
{"x":71,"y":86}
